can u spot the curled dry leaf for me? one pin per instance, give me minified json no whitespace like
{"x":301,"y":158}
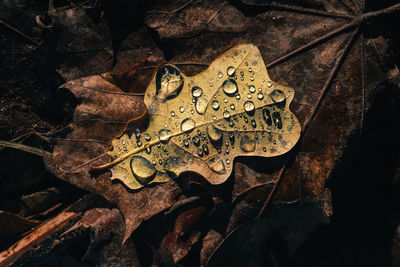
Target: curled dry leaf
{"x":101,"y":114}
{"x":201,"y":123}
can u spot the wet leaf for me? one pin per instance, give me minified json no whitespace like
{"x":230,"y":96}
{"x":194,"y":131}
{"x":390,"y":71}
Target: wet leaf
{"x":201,"y":123}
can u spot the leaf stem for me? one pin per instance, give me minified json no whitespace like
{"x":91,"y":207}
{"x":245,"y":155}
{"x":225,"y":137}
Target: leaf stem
{"x":20,"y":33}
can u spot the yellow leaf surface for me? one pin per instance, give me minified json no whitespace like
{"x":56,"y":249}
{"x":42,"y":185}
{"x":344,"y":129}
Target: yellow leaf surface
{"x":201,"y":123}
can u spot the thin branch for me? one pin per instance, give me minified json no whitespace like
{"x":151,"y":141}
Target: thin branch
{"x":45,"y":230}
{"x":84,"y":164}
{"x":363,"y":89}
{"x":314,"y":111}
{"x":346,"y":5}
{"x":26,"y":148}
{"x":222,"y":242}
{"x":20,"y":33}
{"x":303,"y":10}
{"x":170,"y":11}
{"x":216,"y":13}
{"x":19,"y":139}
{"x":346,"y":27}
{"x":113,"y":92}
{"x":328,"y":82}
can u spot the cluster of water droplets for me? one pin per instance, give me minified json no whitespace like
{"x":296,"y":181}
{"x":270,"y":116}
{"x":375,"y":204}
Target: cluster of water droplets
{"x":233,"y":111}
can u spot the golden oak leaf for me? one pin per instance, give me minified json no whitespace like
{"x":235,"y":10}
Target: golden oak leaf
{"x":201,"y":123}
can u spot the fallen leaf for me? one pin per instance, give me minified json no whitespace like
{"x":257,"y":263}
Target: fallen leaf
{"x":201,"y":123}
{"x":88,"y":136}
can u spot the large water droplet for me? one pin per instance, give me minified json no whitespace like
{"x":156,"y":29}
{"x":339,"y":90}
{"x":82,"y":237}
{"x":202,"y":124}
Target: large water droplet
{"x":215,"y":104}
{"x":181,"y":109}
{"x":201,"y":105}
{"x":172,"y":163}
{"x":277,"y":96}
{"x":232,"y":106}
{"x":196,"y":91}
{"x":267,"y":116}
{"x":188,"y":124}
{"x":185,"y":142}
{"x":148,"y":150}
{"x":164,"y":135}
{"x":230,"y":87}
{"x":196,"y":140}
{"x":276,"y":116}
{"x":214,"y":133}
{"x":220,"y":74}
{"x":205,"y":149}
{"x":247,"y":144}
{"x":142,"y":169}
{"x":169,"y":82}
{"x":147,"y":136}
{"x":260,"y":96}
{"x":249,"y":106}
{"x":217,"y":165}
{"x":230,"y":71}
{"x":200,"y":152}
{"x":252,"y":89}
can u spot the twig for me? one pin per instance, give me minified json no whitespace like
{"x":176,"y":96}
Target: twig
{"x":114,"y":92}
{"x":305,"y":10}
{"x":45,"y":230}
{"x":86,"y":163}
{"x":346,"y":5}
{"x":363,"y":89}
{"x":216,"y":13}
{"x":29,"y":149}
{"x":222,"y":242}
{"x":346,"y":27}
{"x":20,"y":138}
{"x":170,"y":11}
{"x":19,"y":32}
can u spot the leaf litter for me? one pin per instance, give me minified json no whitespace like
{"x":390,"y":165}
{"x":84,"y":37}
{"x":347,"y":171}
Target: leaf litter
{"x":329,"y":57}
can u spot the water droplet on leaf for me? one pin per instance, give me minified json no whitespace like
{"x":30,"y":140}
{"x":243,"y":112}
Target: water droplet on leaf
{"x":142,"y":169}
{"x":277,"y":96}
{"x":230,"y":87}
{"x":226,"y":114}
{"x":230,"y":71}
{"x":214,"y":133}
{"x":249,"y":106}
{"x":164,"y":135}
{"x":201,"y":105}
{"x":215,"y":104}
{"x":276,"y":116}
{"x":196,"y":91}
{"x":188,"y":125}
{"x":196,"y":140}
{"x":247,"y":144}
{"x":267,"y":116}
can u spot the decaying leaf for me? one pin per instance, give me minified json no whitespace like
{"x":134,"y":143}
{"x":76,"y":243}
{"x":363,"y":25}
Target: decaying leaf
{"x":201,"y":123}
